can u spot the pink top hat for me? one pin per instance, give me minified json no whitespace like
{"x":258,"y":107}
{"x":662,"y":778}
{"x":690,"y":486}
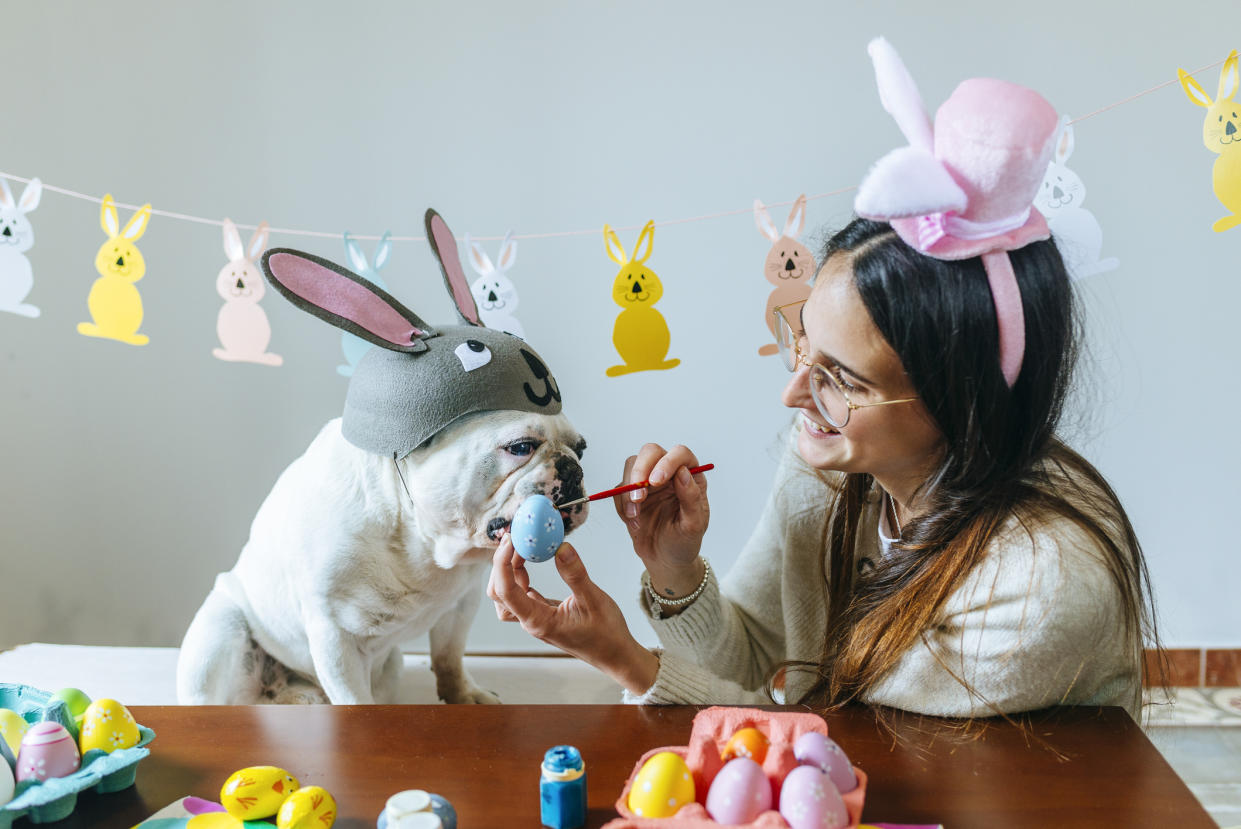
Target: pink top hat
{"x":965,"y":187}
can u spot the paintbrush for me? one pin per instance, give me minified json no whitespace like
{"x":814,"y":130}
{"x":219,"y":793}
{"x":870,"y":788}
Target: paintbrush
{"x":608,"y":493}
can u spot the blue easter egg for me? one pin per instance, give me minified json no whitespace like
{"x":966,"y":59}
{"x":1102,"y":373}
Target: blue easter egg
{"x":537,"y":529}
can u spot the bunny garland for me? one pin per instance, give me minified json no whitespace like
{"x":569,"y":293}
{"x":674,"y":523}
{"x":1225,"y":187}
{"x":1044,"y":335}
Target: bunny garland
{"x":351,"y":345}
{"x":965,"y":186}
{"x":789,"y":266}
{"x":640,"y":332}
{"x":17,"y":237}
{"x":242,"y":324}
{"x":1219,"y":134}
{"x":493,"y":291}
{"x":1078,"y":235}
{"x":114,"y":302}
{"x":421,"y":378}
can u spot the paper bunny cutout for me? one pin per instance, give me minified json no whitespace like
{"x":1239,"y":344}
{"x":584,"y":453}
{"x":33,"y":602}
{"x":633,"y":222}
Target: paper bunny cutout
{"x":789,"y":266}
{"x":640,"y":332}
{"x":114,"y":302}
{"x":494,"y":293}
{"x":242,"y":324}
{"x":421,"y":378}
{"x":1219,"y":134}
{"x":1076,"y":231}
{"x":351,"y":345}
{"x":17,"y":237}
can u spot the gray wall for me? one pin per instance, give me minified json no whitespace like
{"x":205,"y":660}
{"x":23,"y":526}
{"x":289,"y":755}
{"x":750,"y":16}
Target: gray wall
{"x":129,"y":476}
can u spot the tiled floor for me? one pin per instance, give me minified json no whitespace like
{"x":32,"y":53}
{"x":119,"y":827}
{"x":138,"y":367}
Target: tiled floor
{"x":1200,"y":736}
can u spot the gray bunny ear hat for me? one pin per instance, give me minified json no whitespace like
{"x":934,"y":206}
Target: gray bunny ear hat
{"x":421,"y":378}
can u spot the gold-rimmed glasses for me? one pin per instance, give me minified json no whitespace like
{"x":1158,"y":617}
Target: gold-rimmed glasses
{"x":828,"y":391}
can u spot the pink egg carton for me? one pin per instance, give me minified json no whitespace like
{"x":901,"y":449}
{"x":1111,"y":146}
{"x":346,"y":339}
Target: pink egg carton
{"x":712,"y":729}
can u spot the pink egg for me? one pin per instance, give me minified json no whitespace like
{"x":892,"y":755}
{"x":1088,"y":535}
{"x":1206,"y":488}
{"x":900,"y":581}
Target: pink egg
{"x":47,"y":751}
{"x":812,"y":748}
{"x":809,"y":800}
{"x":739,"y":793}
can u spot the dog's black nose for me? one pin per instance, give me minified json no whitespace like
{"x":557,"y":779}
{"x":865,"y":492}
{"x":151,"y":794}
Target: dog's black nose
{"x":494,"y":526}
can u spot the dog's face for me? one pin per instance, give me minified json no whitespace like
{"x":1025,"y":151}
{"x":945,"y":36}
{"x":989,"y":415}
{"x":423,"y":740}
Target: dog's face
{"x":468,"y":481}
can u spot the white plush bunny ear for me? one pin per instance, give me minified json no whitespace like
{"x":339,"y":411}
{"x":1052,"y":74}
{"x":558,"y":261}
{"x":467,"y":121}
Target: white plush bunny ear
{"x":6,"y":195}
{"x":444,"y":246}
{"x":232,"y":241}
{"x":797,"y":218}
{"x":479,"y":260}
{"x":345,"y":300}
{"x":30,"y":196}
{"x":508,"y":253}
{"x":899,"y":95}
{"x":383,"y":250}
{"x":257,"y":242}
{"x":357,"y":259}
{"x":763,"y":219}
{"x":909,"y":181}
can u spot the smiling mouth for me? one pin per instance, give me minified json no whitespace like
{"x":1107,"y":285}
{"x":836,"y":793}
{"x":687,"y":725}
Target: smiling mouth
{"x":816,"y":428}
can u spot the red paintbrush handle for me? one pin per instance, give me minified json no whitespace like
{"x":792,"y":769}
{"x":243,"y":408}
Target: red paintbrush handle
{"x":608,"y":493}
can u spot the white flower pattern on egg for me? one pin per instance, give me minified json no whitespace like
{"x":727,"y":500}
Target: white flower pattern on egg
{"x":117,"y":739}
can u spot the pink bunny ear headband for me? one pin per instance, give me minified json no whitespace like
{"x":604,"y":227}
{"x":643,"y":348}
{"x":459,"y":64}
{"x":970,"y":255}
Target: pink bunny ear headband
{"x":965,"y":187}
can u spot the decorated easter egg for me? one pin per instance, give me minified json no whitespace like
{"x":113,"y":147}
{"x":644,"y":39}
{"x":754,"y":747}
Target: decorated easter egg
{"x":107,"y":725}
{"x":76,"y":701}
{"x":12,"y":728}
{"x":814,"y":749}
{"x":661,"y":787}
{"x":256,"y":792}
{"x":537,"y":529}
{"x":309,"y":808}
{"x":739,"y":793}
{"x":6,"y":783}
{"x":746,"y":742}
{"x":47,"y":751}
{"x":809,"y":800}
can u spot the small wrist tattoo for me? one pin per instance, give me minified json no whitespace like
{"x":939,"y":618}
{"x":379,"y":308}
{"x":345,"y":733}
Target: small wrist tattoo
{"x":669,"y":591}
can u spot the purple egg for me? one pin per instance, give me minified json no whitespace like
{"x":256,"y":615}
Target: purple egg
{"x":47,"y":751}
{"x":814,"y":749}
{"x":808,"y":800}
{"x":739,"y":793}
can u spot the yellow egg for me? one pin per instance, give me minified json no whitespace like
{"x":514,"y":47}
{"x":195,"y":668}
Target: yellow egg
{"x":661,"y":787}
{"x":308,"y":808}
{"x":256,"y":792}
{"x":746,"y":742}
{"x":107,"y":725}
{"x":12,"y":728}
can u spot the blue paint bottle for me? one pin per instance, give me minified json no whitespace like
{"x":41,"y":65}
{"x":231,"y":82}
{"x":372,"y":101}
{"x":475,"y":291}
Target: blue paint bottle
{"x":562,"y":788}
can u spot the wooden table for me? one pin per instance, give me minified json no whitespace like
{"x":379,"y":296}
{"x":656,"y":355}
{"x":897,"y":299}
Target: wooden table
{"x":485,"y":759}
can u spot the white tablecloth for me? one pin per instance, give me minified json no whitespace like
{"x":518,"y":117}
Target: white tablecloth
{"x":147,"y":676}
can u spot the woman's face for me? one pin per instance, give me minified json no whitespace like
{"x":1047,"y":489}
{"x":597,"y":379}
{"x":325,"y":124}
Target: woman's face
{"x":897,"y":443}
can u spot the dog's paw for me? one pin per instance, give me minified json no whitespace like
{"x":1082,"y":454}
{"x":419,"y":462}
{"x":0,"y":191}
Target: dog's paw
{"x":471,"y":696}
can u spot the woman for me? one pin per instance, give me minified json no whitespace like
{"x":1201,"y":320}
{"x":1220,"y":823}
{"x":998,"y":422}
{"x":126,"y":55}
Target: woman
{"x":929,"y":543}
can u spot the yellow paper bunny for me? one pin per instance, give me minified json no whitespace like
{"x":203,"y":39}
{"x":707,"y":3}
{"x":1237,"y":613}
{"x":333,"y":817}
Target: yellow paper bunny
{"x":114,"y":302}
{"x":640,"y":334}
{"x":1219,"y":133}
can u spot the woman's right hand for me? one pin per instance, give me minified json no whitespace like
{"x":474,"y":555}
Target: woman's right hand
{"x":667,"y":520}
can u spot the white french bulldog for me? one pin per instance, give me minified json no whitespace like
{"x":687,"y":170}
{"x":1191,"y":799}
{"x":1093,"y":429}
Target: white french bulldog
{"x":384,"y":529}
{"x":343,"y":565}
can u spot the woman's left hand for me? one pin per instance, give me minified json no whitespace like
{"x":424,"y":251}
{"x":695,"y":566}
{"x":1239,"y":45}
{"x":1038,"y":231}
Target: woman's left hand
{"x":588,"y":624}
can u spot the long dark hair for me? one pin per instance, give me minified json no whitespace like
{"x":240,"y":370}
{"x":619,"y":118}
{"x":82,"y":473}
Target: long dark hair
{"x":1001,"y":453}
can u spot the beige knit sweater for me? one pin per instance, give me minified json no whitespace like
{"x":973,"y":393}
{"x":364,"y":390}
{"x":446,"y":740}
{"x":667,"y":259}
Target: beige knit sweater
{"x":1038,"y":622}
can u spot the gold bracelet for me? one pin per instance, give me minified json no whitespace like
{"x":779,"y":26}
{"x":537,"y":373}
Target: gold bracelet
{"x":684,"y":600}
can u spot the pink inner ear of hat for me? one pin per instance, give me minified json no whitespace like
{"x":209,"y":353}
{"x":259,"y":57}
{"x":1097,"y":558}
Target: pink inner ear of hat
{"x":329,"y":290}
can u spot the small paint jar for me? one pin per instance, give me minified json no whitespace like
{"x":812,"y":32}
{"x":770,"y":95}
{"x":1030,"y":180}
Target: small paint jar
{"x":562,"y":788}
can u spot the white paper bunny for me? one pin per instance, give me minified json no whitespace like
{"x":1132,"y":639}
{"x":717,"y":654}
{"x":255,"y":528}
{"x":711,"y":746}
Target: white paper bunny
{"x":242,"y":324}
{"x":1075,"y":229}
{"x":493,"y":290}
{"x":17,"y":237}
